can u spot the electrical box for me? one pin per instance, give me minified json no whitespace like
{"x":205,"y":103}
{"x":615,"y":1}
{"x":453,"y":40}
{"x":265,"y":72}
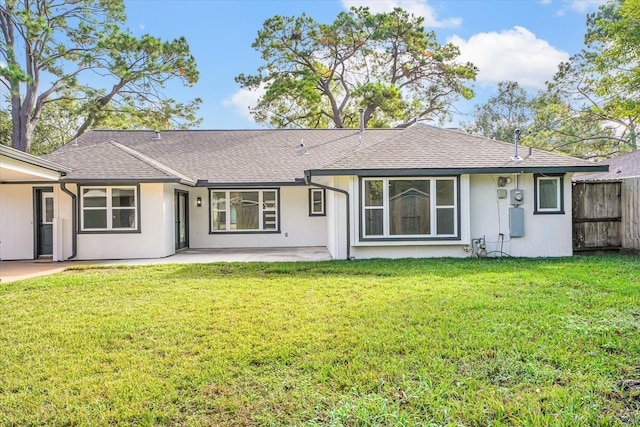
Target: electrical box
{"x":517,"y":197}
{"x":516,"y":222}
{"x":502,"y":193}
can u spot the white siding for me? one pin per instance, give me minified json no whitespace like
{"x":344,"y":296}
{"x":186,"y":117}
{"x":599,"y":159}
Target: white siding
{"x":16,"y":221}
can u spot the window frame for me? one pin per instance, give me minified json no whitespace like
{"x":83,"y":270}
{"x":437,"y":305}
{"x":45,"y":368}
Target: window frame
{"x":537,"y":210}
{"x":432,"y":236}
{"x":109,"y":210}
{"x":260,"y":214}
{"x":323,"y":197}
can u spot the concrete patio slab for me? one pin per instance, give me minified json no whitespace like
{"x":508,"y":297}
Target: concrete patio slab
{"x":17,"y":270}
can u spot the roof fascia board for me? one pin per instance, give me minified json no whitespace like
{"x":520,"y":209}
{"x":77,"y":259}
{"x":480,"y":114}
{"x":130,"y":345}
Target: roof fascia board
{"x":154,"y":163}
{"x":25,"y":168}
{"x":456,"y":171}
{"x":297,"y":182}
{"x":14,"y":154}
{"x":119,"y":181}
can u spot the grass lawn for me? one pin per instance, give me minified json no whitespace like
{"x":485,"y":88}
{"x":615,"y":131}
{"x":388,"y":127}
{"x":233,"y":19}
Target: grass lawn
{"x":363,"y":343}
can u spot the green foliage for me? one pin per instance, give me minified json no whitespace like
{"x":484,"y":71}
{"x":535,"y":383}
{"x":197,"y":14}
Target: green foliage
{"x":64,"y":43}
{"x":502,"y":114}
{"x":416,"y":342}
{"x":319,"y":75}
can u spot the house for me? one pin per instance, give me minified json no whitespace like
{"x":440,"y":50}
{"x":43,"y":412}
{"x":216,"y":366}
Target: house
{"x":607,"y":206}
{"x":416,"y":192}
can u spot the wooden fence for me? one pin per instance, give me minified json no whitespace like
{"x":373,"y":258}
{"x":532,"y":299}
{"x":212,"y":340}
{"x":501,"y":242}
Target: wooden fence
{"x":606,"y":215}
{"x":630,"y":204}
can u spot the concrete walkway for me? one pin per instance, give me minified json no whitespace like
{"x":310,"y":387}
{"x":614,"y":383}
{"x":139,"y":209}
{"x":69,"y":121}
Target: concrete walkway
{"x":17,"y":270}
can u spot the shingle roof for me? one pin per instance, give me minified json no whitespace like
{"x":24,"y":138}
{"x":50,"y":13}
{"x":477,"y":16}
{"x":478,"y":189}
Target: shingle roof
{"x":624,"y":166}
{"x":282,"y":156}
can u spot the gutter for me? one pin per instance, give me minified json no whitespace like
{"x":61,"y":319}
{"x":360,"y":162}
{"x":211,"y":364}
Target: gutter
{"x":74,"y":220}
{"x":307,"y":180}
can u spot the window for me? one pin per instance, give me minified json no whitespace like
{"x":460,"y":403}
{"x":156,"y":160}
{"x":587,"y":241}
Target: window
{"x":109,"y":208}
{"x":409,"y":208}
{"x":316,"y":201}
{"x":244,"y":210}
{"x":549,"y":194}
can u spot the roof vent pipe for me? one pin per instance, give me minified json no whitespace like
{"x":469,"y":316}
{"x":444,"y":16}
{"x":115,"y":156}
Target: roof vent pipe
{"x":361,"y":111}
{"x":516,"y":139}
{"x":156,"y":135}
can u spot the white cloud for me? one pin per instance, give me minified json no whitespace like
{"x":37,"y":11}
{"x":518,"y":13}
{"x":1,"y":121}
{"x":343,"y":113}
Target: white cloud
{"x":580,"y":6}
{"x":243,"y":101}
{"x":417,"y":7}
{"x":515,"y":54}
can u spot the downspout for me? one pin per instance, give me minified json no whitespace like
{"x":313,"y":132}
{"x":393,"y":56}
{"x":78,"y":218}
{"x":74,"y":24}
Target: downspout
{"x":74,"y":220}
{"x":307,"y":180}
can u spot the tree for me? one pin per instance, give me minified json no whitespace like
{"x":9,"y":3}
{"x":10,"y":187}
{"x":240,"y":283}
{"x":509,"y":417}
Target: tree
{"x":59,"y":51}
{"x":502,"y":114}
{"x":319,"y":75}
{"x":591,"y":106}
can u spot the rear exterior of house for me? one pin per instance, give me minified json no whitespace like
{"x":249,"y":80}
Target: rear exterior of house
{"x":417,"y":192}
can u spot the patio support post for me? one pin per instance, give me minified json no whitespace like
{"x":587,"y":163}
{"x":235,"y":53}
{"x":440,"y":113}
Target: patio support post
{"x":74,"y":220}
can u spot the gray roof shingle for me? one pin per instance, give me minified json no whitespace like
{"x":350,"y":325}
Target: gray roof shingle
{"x":282,"y":156}
{"x":624,"y":166}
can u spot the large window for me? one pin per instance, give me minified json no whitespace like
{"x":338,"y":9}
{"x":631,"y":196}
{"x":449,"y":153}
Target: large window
{"x":244,"y":211}
{"x":109,"y":209}
{"x":410,"y":208}
{"x":549,"y":194}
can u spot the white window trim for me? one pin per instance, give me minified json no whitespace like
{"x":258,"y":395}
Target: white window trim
{"x":433,"y":209}
{"x":262,"y":210}
{"x":109,"y":208}
{"x":559,"y":194}
{"x":322,"y":192}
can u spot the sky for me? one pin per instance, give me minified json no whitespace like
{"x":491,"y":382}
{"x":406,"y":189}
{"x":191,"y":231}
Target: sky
{"x":521,"y":40}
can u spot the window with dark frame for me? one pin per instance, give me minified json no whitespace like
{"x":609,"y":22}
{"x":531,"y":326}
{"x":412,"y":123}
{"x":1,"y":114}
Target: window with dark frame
{"x":105,"y":208}
{"x":317,"y":202}
{"x":249,"y":210}
{"x":409,"y":208}
{"x":549,"y":194}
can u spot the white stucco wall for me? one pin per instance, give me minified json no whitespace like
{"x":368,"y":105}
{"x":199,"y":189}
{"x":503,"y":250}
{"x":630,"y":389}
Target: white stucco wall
{"x":297,"y":228}
{"x":151,"y":242}
{"x":545,"y":235}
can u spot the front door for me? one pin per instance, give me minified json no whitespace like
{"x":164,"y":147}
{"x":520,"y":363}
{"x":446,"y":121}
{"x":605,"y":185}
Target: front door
{"x":44,"y":221}
{"x":182,"y":219}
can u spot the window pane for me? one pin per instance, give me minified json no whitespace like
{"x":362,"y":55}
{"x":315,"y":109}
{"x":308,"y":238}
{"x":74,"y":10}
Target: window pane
{"x":373,"y":222}
{"x":95,"y":197}
{"x":124,"y":218}
{"x":48,"y":209}
{"x":373,"y":193}
{"x":444,"y":192}
{"x":446,"y":221}
{"x":317,"y":205}
{"x":244,"y":210}
{"x":409,"y":207}
{"x":123,"y":197}
{"x":95,"y":218}
{"x":269,"y":220}
{"x":218,"y":201}
{"x":548,"y":193}
{"x":268,"y":199}
{"x":219,"y":220}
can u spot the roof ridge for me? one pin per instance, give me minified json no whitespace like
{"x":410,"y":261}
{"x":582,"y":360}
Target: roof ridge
{"x":152,"y":162}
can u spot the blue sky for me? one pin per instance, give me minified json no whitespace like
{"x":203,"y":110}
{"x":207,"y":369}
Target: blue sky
{"x":522,"y":40}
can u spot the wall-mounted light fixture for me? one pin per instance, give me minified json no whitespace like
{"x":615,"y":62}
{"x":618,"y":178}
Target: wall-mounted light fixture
{"x":199,"y":201}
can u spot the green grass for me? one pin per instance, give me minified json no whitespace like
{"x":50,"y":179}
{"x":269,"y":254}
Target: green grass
{"x":363,"y":343}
